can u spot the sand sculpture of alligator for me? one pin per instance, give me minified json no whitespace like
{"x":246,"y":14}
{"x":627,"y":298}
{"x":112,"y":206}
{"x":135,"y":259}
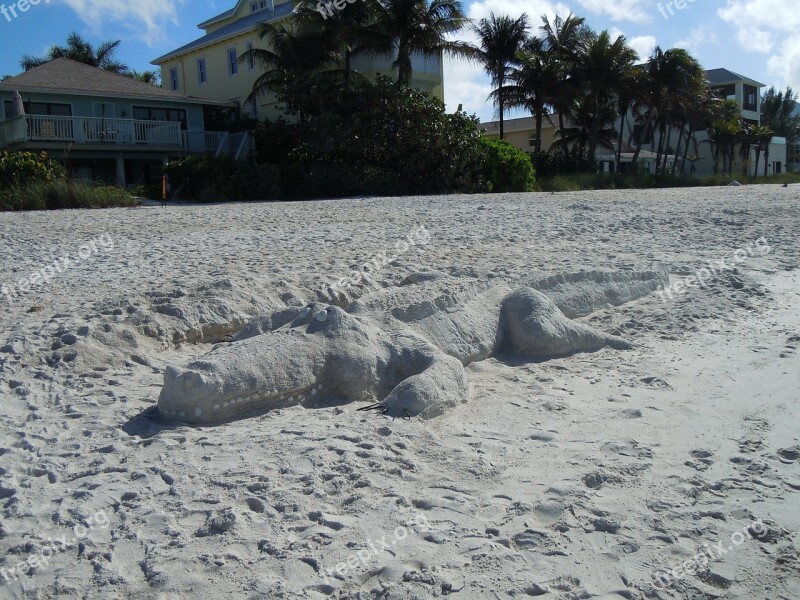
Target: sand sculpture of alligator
{"x":401,"y":349}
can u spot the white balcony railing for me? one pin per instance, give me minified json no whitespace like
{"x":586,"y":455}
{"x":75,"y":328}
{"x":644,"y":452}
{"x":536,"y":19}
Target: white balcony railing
{"x":203,"y":142}
{"x":89,"y":130}
{"x":12,"y":130}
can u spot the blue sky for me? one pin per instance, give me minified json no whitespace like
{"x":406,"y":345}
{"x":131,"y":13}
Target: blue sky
{"x":757,"y":38}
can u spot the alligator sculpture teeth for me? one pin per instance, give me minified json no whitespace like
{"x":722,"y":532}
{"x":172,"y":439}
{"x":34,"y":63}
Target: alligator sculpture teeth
{"x":401,"y":350}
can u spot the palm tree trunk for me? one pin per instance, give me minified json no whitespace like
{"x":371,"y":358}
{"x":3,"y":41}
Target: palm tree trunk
{"x":731,"y":154}
{"x":758,"y":159}
{"x":641,"y":139}
{"x":715,"y":168}
{"x":666,"y":150}
{"x":403,"y":63}
{"x":766,"y":158}
{"x":678,"y":148}
{"x":619,"y":142}
{"x":686,"y":149}
{"x":660,"y":146}
{"x":539,"y":119}
{"x":500,"y":100}
{"x":595,"y":127}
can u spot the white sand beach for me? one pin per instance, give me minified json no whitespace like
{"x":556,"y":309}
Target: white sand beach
{"x":669,"y":470}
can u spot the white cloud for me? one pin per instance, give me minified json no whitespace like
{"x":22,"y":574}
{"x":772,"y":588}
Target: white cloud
{"x":759,"y":22}
{"x":148,"y":20}
{"x":699,"y":36}
{"x":643,"y":44}
{"x":514,"y":8}
{"x":465,"y":84}
{"x":771,"y":27}
{"x":786,"y":63}
{"x":619,"y":10}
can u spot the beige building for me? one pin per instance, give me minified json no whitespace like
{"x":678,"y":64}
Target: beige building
{"x":209,"y":67}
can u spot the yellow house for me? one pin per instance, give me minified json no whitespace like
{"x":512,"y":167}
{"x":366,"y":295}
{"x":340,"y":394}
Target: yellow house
{"x":209,"y":66}
{"x":522,"y":132}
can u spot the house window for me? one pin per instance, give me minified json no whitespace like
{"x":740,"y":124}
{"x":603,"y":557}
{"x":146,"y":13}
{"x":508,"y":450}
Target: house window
{"x":202,"y":77}
{"x":776,"y":168}
{"x":151,"y":113}
{"x":532,"y":139}
{"x":233,"y":63}
{"x":253,"y":7}
{"x":254,"y":108}
{"x":251,"y":61}
{"x":39,"y":108}
{"x":173,"y":77}
{"x":725,"y":91}
{"x":750,"y":98}
{"x":9,"y":108}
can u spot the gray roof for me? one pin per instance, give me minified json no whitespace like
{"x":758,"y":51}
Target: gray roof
{"x":225,"y":15}
{"x":65,"y":76}
{"x":718,"y":76}
{"x":243,"y":25}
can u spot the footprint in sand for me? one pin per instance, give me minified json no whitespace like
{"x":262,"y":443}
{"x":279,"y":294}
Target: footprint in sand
{"x":702,"y":459}
{"x":791,"y":346}
{"x":656,"y":382}
{"x":789,"y":455}
{"x":747,"y":445}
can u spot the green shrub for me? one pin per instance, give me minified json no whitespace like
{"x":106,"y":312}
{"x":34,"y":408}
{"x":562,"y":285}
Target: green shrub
{"x":18,"y":168}
{"x":336,"y":180}
{"x":151,"y":191}
{"x":507,"y":168}
{"x":216,"y":179}
{"x":558,"y":162}
{"x":62,"y":193}
{"x":376,"y":138}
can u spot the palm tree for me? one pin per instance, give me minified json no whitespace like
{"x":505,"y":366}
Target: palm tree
{"x":294,"y":55}
{"x":78,"y":49}
{"x":538,"y":74}
{"x":628,"y":90}
{"x":580,"y":135}
{"x":603,"y":68}
{"x":762,"y":136}
{"x":568,"y":38}
{"x":701,"y":115}
{"x":777,"y":112}
{"x":500,"y":40}
{"x":669,"y":72}
{"x":296,"y":58}
{"x":348,"y":28}
{"x":149,"y":77}
{"x":722,"y":133}
{"x":404,"y":28}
